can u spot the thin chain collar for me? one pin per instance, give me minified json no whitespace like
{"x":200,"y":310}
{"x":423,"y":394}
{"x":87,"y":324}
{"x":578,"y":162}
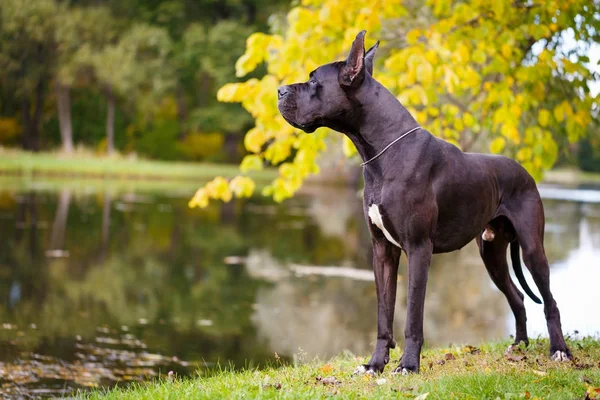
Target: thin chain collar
{"x":390,"y":145}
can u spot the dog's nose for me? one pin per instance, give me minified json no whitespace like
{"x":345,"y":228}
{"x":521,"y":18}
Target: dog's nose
{"x":282,"y":91}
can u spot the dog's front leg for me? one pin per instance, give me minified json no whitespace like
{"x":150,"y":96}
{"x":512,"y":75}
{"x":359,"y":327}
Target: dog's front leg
{"x":385,"y":266}
{"x":419,"y":258}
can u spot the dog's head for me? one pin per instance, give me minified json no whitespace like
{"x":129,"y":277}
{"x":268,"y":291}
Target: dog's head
{"x":325,"y":98}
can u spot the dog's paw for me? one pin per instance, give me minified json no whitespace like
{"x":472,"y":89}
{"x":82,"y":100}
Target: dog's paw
{"x":401,"y":371}
{"x":511,"y":349}
{"x":363,"y":369}
{"x":560,"y":356}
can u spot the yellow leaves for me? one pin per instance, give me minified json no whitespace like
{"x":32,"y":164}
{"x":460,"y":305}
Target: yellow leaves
{"x":220,"y":189}
{"x":301,"y":19}
{"x":256,"y":45}
{"x":500,"y":96}
{"x":9,"y":128}
{"x":279,"y":150}
{"x":348,"y":147}
{"x":217,"y":189}
{"x":469,"y":120}
{"x":524,"y":154}
{"x":251,"y":162}
{"x":510,"y":132}
{"x":231,"y":92}
{"x":450,"y":79}
{"x":562,"y":111}
{"x":543,"y":117}
{"x":479,"y":56}
{"x":497,"y":145}
{"x":462,"y":54}
{"x":413,"y":36}
{"x":592,"y":393}
{"x":200,"y":199}
{"x":425,"y":73}
{"x":414,"y":95}
{"x":326,"y":369}
{"x":242,"y":186}
{"x":498,"y":8}
{"x":254,"y":140}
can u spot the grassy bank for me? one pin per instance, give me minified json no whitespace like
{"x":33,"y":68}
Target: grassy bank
{"x":85,"y":164}
{"x":457,"y":372}
{"x":88,"y":165}
{"x":571,"y":177}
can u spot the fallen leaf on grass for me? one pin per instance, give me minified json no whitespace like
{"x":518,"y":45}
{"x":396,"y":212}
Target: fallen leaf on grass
{"x":422,"y":396}
{"x":328,"y":380}
{"x":540,"y":373}
{"x":580,"y":365}
{"x":515,"y":358}
{"x":275,"y":386}
{"x":326,"y":369}
{"x":472,"y":349}
{"x":441,"y":362}
{"x":527,"y":395}
{"x":449,"y":356}
{"x":592,"y":393}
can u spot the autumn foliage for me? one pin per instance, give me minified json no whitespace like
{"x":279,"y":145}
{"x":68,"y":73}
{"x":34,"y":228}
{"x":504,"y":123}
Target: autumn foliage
{"x":509,"y":77}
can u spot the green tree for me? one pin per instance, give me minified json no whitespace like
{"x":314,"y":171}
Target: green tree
{"x":28,"y":59}
{"x":135,"y":69}
{"x":495,"y":74}
{"x":80,"y":34}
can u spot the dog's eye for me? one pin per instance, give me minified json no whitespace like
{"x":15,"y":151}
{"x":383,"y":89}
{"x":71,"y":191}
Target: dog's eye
{"x":312,"y":81}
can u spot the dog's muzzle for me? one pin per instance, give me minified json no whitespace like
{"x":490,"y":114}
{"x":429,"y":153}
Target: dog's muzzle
{"x":282,"y":92}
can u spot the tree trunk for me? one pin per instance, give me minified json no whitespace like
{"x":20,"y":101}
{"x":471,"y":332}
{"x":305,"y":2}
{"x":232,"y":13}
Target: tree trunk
{"x":26,"y":110}
{"x":31,"y":122}
{"x":110,"y":121}
{"x":63,"y":100}
{"x":59,"y":227}
{"x":105,"y":240}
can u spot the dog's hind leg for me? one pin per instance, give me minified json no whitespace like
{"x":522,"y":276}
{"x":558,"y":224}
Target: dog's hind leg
{"x":493,"y":254}
{"x":529,"y":226}
{"x":385,"y":266}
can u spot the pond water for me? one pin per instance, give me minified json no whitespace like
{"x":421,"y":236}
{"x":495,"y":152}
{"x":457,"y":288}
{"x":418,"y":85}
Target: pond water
{"x":100,"y":286}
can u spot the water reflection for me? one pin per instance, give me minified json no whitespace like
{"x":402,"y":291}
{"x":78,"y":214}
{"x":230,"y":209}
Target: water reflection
{"x":237,"y":282}
{"x":574,"y":283}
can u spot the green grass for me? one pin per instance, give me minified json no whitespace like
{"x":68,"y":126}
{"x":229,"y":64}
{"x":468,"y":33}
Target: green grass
{"x":469,"y":373}
{"x":88,"y":165}
{"x":571,"y":176}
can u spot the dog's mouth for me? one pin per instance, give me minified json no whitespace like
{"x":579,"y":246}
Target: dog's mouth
{"x":308,"y":128}
{"x":288,"y":110}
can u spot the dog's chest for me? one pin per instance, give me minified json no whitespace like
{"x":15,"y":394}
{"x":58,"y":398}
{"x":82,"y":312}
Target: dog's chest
{"x":377,"y":220}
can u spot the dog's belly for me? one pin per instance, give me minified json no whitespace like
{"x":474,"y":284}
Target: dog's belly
{"x":457,"y":226}
{"x":448,"y":243}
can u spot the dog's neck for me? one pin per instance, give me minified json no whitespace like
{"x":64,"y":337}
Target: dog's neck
{"x":382,"y":119}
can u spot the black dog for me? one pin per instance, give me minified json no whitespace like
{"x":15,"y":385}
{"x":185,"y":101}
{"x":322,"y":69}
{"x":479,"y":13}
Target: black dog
{"x":424,"y":196}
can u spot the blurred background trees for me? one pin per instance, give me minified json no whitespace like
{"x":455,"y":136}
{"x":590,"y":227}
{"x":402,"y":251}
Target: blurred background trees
{"x":138,"y":76}
{"x":133,"y":76}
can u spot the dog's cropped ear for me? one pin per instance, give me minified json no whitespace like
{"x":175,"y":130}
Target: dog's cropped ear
{"x":369,"y":56}
{"x":353,"y":71}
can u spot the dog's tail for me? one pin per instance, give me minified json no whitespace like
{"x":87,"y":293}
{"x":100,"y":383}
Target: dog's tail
{"x":516,"y":262}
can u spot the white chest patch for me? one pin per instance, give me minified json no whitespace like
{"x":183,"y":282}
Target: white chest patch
{"x":375,"y":217}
